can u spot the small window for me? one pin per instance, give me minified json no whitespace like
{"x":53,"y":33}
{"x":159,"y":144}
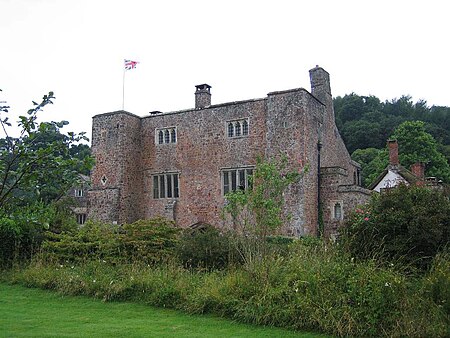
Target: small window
{"x":337,"y":211}
{"x":81,"y":219}
{"x":166,"y":135}
{"x":78,"y":192}
{"x":230,"y":130}
{"x":237,"y":128}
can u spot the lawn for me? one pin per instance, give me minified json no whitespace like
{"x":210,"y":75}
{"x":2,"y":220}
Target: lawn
{"x":28,"y":312}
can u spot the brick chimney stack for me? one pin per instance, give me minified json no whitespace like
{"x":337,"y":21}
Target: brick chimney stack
{"x":393,"y":152}
{"x":418,"y":170}
{"x":202,"y":96}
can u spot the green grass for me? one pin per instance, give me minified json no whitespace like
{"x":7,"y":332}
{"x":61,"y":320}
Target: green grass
{"x":28,"y":312}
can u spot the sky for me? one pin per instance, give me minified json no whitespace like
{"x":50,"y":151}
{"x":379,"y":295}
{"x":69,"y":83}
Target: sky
{"x":244,"y":49}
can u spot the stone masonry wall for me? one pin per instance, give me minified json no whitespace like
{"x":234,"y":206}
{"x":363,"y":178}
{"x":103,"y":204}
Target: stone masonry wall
{"x":202,"y":150}
{"x":293,"y":122}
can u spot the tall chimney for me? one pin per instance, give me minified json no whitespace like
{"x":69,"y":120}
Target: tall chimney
{"x":418,"y":170}
{"x":320,"y":85}
{"x":202,"y":96}
{"x":393,"y":152}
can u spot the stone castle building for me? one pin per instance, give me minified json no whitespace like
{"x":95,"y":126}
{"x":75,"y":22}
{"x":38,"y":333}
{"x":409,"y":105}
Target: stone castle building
{"x":181,"y":164}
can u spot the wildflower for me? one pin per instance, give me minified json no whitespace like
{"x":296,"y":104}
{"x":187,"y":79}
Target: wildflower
{"x":366,"y":218}
{"x":104,"y":261}
{"x":387,"y":284}
{"x":61,"y":266}
{"x":94,"y":280}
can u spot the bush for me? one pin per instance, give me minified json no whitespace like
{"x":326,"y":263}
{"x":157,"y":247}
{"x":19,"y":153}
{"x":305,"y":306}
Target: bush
{"x":406,"y":225}
{"x":150,"y":241}
{"x":205,"y":248}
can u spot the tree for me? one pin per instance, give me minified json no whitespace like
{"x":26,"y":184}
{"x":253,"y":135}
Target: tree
{"x":37,"y":165}
{"x":36,"y":169}
{"x":373,"y":161}
{"x":415,"y":144}
{"x":257,"y":213}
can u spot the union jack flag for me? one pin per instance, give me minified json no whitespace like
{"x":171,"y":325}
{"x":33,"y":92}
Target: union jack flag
{"x":130,"y":64}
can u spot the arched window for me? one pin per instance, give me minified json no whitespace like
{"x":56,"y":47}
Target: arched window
{"x":230,"y":130}
{"x":245,"y":128}
{"x":173,"y":136}
{"x":238,"y":129}
{"x":160,"y":137}
{"x":166,"y":136}
{"x":337,"y":211}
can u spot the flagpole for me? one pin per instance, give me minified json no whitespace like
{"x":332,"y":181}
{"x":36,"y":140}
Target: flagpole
{"x":123,"y":90}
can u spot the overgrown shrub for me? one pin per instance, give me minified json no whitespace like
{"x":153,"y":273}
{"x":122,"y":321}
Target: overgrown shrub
{"x":205,"y":248}
{"x":405,"y":225}
{"x":148,"y":241}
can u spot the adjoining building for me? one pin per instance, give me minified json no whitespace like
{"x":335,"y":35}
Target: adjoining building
{"x":395,"y":174}
{"x":181,"y":164}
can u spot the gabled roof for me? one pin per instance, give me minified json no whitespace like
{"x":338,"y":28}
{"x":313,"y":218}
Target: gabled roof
{"x":407,"y":175}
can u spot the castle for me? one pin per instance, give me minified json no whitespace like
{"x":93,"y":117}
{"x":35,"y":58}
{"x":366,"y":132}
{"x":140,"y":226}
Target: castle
{"x":181,"y":164}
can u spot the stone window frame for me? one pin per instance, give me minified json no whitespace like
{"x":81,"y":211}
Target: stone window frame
{"x":79,"y":192}
{"x":166,"y":185}
{"x":231,"y":178}
{"x":337,"y":214}
{"x":81,"y":218}
{"x":237,"y":128}
{"x":167,"y":135}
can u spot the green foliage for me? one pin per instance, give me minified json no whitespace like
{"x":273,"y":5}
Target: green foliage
{"x":150,"y":241}
{"x":373,"y":161}
{"x":314,"y":287}
{"x":22,"y":230}
{"x":205,"y":248}
{"x":37,"y":165}
{"x":407,"y":225}
{"x":26,"y":312}
{"x":36,"y":169}
{"x":415,"y":144}
{"x":258,"y":212}
{"x":365,"y":123}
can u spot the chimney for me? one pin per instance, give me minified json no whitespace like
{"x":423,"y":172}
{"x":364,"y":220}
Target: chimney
{"x":320,"y":85}
{"x":393,"y":152}
{"x":202,"y":96}
{"x":418,"y":170}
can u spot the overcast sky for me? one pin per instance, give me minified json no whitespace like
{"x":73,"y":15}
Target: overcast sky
{"x":243,"y":49}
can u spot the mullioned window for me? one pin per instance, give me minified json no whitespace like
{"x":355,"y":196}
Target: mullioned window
{"x":166,"y":135}
{"x":238,"y":128}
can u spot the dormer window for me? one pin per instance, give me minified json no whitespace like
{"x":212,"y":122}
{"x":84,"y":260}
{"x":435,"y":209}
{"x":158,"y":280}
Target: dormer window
{"x":78,"y":192}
